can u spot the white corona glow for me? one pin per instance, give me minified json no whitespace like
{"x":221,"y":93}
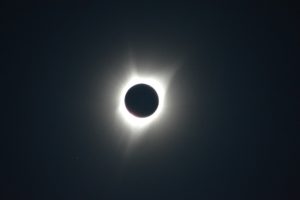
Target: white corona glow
{"x":137,"y":123}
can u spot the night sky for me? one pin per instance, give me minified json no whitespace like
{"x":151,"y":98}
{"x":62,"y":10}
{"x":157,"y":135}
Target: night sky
{"x":229,"y":129}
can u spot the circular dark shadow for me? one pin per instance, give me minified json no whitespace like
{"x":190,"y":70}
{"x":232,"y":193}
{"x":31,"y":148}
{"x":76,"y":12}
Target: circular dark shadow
{"x":141,"y":100}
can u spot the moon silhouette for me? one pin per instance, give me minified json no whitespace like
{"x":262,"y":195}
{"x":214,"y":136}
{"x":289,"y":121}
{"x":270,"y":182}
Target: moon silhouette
{"x":141,"y":100}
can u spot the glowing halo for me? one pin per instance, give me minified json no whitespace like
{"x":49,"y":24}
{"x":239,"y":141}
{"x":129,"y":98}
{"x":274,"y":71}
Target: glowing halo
{"x":134,"y":122}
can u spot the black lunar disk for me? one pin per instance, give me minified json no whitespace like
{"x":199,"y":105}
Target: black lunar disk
{"x":141,"y":100}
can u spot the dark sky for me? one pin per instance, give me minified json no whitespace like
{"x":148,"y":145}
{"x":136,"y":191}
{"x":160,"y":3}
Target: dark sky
{"x":232,"y":131}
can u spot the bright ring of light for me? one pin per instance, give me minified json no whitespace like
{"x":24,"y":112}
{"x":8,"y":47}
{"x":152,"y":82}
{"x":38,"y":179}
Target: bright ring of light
{"x":137,"y":122}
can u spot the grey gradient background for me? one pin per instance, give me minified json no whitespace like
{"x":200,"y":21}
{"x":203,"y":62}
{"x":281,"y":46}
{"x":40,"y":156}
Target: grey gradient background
{"x":230,"y":130}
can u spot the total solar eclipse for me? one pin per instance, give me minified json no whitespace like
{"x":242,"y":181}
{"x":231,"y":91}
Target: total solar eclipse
{"x":141,"y":100}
